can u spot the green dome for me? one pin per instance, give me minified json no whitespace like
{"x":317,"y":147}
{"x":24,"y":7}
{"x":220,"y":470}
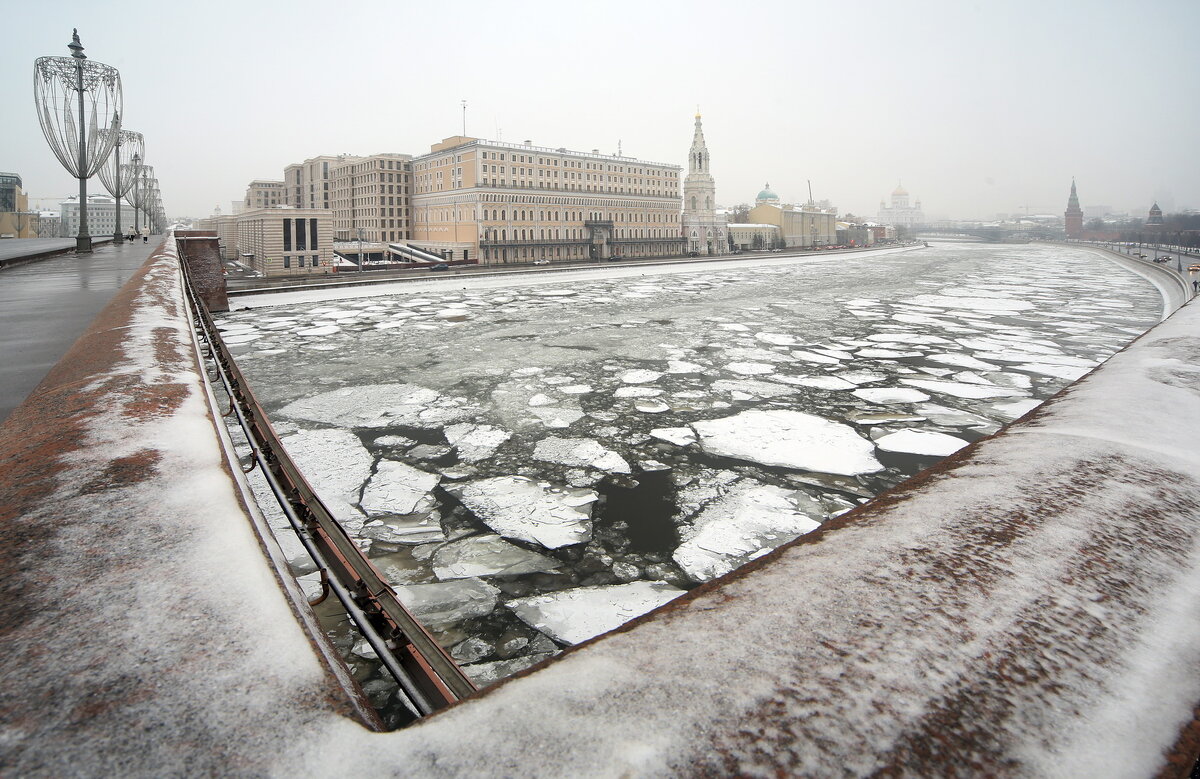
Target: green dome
{"x":767,"y":194}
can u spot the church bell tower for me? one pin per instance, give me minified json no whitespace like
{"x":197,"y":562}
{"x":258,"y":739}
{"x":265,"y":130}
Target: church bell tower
{"x":704,"y":232}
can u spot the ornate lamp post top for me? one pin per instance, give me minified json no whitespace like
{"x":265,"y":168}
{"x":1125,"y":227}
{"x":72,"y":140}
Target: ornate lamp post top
{"x":75,"y":97}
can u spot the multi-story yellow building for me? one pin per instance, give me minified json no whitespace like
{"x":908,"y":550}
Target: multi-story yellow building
{"x":285,"y":241}
{"x":805,"y":225}
{"x":16,"y":220}
{"x":371,"y":194}
{"x":501,"y":202}
{"x":262,"y":193}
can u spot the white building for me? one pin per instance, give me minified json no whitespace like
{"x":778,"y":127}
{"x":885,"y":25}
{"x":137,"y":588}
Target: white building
{"x":900,"y":213}
{"x":704,"y":230}
{"x":100,"y":216}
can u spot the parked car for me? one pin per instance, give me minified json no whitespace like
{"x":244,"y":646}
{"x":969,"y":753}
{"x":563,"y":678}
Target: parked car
{"x":439,"y":266}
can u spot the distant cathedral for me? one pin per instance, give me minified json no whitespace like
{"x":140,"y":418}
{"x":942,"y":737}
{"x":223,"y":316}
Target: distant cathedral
{"x":1074,"y":214}
{"x":704,"y":231}
{"x":1156,"y":217}
{"x":900,"y":213}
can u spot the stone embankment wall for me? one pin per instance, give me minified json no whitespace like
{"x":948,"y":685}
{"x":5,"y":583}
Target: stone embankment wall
{"x":1027,"y":607}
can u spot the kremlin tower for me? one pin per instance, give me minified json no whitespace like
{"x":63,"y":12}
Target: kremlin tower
{"x":1074,"y":214}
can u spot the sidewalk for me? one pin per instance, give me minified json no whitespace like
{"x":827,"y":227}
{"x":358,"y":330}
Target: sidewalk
{"x":46,"y":305}
{"x":14,"y":251}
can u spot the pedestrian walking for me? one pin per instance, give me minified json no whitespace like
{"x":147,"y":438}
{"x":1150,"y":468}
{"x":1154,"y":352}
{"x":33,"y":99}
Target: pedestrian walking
{"x":145,"y":239}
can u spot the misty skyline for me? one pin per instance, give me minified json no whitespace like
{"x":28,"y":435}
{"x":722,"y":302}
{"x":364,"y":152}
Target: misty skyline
{"x":977,"y":108}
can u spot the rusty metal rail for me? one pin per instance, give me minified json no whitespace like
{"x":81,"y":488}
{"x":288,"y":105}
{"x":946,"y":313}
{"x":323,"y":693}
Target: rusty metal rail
{"x":429,"y":678}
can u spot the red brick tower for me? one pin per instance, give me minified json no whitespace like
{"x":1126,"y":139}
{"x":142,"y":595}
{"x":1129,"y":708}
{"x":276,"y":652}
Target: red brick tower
{"x":1074,"y":214}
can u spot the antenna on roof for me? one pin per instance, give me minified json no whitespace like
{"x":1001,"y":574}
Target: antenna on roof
{"x":810,"y":198}
{"x":619,"y":148}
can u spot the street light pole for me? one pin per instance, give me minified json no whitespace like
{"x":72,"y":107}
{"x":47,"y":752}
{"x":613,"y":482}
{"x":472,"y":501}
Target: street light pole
{"x":134,"y":201}
{"x":83,"y":240}
{"x":117,"y":175}
{"x":55,"y":78}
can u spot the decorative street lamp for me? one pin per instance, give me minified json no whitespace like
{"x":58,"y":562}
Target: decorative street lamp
{"x":56,"y":81}
{"x":118,"y":177}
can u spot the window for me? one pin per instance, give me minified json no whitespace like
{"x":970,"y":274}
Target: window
{"x":287,"y":261}
{"x":287,"y":235}
{"x":300,"y":242}
{"x":316,"y":260}
{"x":312,"y":233}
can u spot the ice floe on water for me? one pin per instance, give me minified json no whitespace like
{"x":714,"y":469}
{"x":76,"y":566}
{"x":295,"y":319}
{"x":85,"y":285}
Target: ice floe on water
{"x":520,"y":508}
{"x":379,"y":405}
{"x":580,"y":452}
{"x":748,"y":520}
{"x":891,"y":395}
{"x":500,"y":445}
{"x":487,"y":555}
{"x":398,"y":488}
{"x":442,"y":604}
{"x":337,"y":465}
{"x":475,"y":442}
{"x":962,"y":389}
{"x":922,"y":442}
{"x":575,"y":615}
{"x":680,"y":436}
{"x":790,"y":439}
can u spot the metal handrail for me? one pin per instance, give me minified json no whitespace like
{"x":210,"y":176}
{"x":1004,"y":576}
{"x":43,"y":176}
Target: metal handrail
{"x":429,"y":678}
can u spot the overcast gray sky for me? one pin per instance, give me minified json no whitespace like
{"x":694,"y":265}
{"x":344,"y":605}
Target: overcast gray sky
{"x":978,"y":107}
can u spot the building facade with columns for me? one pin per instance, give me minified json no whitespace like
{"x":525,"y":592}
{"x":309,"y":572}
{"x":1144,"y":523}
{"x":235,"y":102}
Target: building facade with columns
{"x":704,"y":230}
{"x":900,"y":213}
{"x":497,"y":202}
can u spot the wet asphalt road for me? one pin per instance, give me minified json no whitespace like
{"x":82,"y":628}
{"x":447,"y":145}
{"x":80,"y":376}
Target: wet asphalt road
{"x":45,"y":306}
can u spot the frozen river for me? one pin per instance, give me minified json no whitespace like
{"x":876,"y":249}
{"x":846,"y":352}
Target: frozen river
{"x":533,"y":461}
